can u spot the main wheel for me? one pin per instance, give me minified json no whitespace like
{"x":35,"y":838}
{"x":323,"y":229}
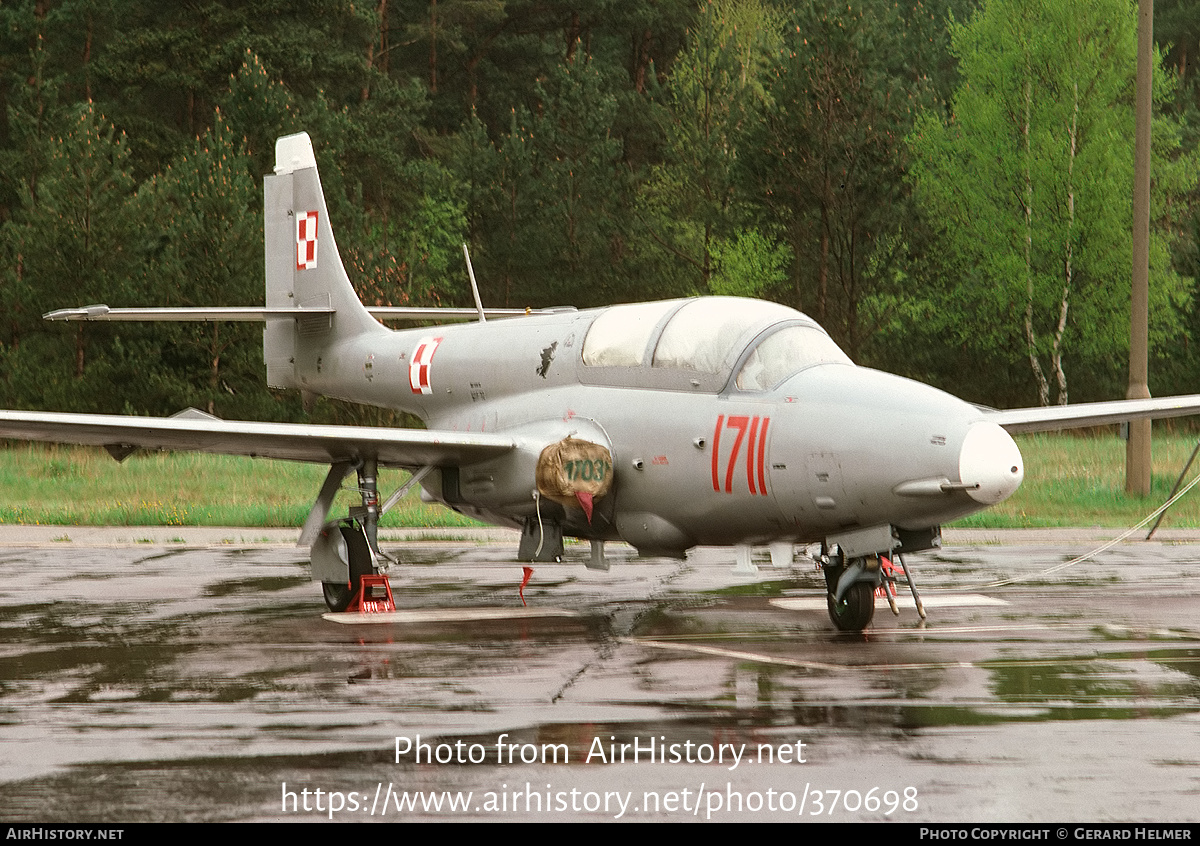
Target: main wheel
{"x":854,"y":612}
{"x":337,"y":595}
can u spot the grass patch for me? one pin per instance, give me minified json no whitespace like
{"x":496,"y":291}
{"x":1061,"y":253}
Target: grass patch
{"x":1070,"y":480}
{"x":82,"y":486}
{"x":1079,"y":480}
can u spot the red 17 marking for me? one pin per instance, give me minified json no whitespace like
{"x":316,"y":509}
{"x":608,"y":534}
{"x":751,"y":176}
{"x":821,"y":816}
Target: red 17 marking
{"x":753,"y":432}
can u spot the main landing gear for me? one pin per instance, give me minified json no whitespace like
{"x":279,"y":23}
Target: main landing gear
{"x":345,"y":553}
{"x":357,"y":555}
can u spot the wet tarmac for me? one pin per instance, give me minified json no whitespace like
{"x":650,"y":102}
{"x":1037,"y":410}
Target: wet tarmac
{"x":147,"y":682}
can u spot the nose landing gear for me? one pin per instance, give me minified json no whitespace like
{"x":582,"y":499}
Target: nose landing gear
{"x":851,"y":588}
{"x":861,"y":562}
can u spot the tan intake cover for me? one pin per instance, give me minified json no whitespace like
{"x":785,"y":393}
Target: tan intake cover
{"x":573,"y":466}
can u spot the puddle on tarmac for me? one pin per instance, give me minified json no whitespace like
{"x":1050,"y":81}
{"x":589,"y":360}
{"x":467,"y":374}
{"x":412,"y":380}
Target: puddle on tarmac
{"x":191,"y":684}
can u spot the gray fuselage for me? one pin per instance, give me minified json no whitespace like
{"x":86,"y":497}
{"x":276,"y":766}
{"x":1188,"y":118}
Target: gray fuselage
{"x":696,"y":458}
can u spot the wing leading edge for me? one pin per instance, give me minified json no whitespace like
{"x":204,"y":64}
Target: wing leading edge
{"x":1052,"y":418}
{"x":288,"y":441}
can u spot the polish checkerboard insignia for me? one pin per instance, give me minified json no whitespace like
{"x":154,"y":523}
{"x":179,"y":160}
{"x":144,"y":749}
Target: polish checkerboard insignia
{"x":418,"y":366}
{"x":306,"y":241}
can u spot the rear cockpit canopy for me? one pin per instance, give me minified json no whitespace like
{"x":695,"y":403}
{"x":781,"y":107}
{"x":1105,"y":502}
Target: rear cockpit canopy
{"x":698,"y":343}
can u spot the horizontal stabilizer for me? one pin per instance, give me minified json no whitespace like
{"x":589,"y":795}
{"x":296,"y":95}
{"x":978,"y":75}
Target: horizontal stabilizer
{"x":258,"y":314}
{"x":236,"y":314}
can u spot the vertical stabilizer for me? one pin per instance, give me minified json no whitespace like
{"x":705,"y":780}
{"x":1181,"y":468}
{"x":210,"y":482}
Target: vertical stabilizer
{"x":303,"y":266}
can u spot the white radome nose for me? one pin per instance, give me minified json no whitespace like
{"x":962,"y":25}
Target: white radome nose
{"x":990,"y":459}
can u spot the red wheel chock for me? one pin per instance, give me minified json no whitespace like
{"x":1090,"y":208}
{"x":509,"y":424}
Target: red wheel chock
{"x":374,"y":596}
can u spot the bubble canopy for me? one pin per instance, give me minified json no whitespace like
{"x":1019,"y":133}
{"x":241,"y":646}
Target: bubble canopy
{"x":708,"y":337}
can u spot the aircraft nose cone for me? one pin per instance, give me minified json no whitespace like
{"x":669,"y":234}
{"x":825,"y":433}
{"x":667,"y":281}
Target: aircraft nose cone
{"x":990,"y":459}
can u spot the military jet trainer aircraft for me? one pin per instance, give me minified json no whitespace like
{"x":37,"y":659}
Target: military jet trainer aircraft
{"x":667,"y":425}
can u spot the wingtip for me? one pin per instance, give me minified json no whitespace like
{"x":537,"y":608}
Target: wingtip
{"x":91,"y":312}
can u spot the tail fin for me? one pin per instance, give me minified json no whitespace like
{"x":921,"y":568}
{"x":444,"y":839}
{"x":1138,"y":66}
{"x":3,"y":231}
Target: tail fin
{"x":303,"y":266}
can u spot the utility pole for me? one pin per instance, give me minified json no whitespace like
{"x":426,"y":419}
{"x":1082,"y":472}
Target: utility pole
{"x":1137,"y":449}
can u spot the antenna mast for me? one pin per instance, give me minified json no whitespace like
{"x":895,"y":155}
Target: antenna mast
{"x":474,"y":287}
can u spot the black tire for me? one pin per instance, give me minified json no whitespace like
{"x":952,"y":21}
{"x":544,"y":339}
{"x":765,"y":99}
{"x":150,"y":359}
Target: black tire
{"x":337,"y":595}
{"x":857,"y":608}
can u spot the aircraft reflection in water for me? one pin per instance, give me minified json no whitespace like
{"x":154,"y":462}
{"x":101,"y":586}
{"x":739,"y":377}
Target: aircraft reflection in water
{"x":705,"y":421}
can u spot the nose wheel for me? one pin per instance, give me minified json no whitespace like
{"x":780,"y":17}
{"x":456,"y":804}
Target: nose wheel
{"x":850,"y":589}
{"x":855,"y":610}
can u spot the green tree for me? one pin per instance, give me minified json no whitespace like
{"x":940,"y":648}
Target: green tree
{"x":209,"y":254}
{"x":168,"y":65}
{"x":1029,"y":181}
{"x":79,"y":235}
{"x":397,"y":208}
{"x":258,"y":109}
{"x":33,"y":117}
{"x":35,"y":91}
{"x":716,"y":92}
{"x":826,"y":166}
{"x":1177,"y":28}
{"x":748,"y":265}
{"x":554,"y":190}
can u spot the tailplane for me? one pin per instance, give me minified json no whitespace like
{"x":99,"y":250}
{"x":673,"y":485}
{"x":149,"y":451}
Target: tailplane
{"x":303,"y":267}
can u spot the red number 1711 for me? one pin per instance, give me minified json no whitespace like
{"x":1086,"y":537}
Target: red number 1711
{"x":753,"y":430}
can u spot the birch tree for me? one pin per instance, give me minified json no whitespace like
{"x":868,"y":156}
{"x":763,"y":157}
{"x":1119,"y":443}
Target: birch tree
{"x":1030,"y":178}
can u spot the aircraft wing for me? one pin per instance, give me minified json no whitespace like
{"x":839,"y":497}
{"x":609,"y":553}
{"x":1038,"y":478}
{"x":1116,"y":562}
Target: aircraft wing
{"x":198,"y":432}
{"x":1054,"y":417}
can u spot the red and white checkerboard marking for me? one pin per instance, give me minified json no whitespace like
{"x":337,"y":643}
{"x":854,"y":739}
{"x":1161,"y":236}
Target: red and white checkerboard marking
{"x":306,"y":241}
{"x":418,"y":366}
